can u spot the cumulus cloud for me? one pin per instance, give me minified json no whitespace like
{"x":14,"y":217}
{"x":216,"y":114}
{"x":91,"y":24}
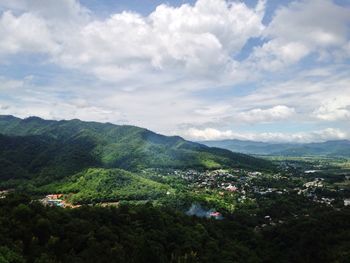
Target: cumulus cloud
{"x":277,"y":54}
{"x":25,"y":33}
{"x":59,"y":12}
{"x":319,"y":23}
{"x":335,"y":109}
{"x":302,"y":28}
{"x":174,"y":43}
{"x":276,"y":113}
{"x":208,"y":134}
{"x":171,"y":43}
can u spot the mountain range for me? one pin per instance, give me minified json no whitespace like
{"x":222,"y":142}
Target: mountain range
{"x":47,"y":150}
{"x":337,"y":148}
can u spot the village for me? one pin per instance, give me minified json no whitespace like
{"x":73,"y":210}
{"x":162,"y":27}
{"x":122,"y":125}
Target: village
{"x":242,"y":185}
{"x":252,"y":184}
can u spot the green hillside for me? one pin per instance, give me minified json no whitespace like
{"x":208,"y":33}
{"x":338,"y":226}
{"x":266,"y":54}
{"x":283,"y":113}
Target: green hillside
{"x":127,"y":146}
{"x":43,"y":158}
{"x":98,"y":184}
{"x":45,"y":151}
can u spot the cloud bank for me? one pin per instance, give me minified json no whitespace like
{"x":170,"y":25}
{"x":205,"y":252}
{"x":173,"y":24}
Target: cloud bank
{"x":204,"y":70}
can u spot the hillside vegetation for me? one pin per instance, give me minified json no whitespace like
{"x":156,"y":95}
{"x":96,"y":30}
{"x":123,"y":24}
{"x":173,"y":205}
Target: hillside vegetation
{"x":46,"y":151}
{"x":37,"y":153}
{"x":100,"y":185}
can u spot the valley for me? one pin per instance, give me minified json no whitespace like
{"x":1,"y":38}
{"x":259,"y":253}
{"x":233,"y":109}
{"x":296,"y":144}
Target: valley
{"x":122,"y":186}
{"x":177,"y":131}
{"x":319,"y":181}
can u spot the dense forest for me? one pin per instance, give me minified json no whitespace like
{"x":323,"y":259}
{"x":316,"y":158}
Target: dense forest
{"x":30,"y":232}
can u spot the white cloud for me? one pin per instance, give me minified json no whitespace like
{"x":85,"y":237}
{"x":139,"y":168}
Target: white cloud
{"x":302,"y":28}
{"x":63,"y":11}
{"x":302,"y":137}
{"x":208,"y":134}
{"x":232,"y":24}
{"x":334,"y":109}
{"x":25,"y":33}
{"x":326,"y":87}
{"x":276,"y":113}
{"x":187,"y":42}
{"x":318,"y":23}
{"x":277,"y":54}
{"x":172,"y":43}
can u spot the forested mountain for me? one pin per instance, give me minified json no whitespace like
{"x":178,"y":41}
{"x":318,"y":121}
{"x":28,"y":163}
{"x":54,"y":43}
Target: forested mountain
{"x":50,"y":150}
{"x":340,"y":148}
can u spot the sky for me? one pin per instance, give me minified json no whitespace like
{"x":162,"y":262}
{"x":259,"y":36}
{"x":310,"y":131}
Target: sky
{"x":259,"y":70}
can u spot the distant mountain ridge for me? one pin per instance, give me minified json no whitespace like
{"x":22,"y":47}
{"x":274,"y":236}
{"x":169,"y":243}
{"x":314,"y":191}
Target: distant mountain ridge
{"x":51,"y":150}
{"x":335,"y":148}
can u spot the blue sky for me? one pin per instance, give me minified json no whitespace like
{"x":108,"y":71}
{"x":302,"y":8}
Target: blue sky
{"x":206,"y":69}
